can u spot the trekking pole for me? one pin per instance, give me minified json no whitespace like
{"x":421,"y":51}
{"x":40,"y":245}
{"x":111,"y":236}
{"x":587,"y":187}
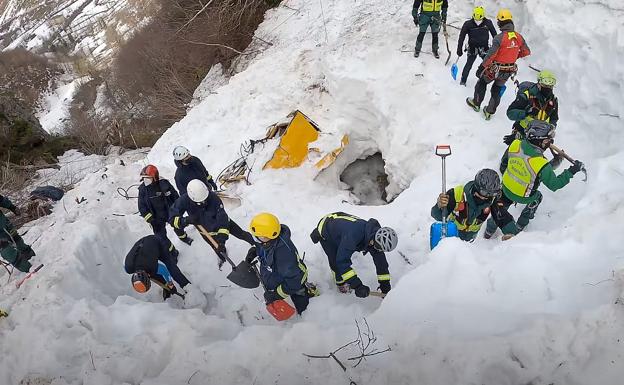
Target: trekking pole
{"x":443,"y":150}
{"x":215,"y":245}
{"x":559,"y":151}
{"x":166,"y":288}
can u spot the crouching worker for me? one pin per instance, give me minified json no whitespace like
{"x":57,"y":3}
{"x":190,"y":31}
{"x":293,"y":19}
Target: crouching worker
{"x":469,"y":205}
{"x":282,"y":271}
{"x":143,"y":263}
{"x":205,"y":210}
{"x":341,"y":235}
{"x":13,"y":249}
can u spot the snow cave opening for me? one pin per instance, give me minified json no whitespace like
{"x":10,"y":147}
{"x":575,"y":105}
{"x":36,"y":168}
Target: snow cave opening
{"x":367,"y":180}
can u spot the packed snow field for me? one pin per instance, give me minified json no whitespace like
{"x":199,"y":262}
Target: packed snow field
{"x":541,"y":308}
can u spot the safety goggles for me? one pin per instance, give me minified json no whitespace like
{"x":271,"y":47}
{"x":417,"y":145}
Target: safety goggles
{"x":486,"y":195}
{"x":260,"y":239}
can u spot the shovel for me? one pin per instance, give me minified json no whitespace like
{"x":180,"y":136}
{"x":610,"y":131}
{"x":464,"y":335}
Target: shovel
{"x":241,"y":275}
{"x":442,"y":229}
{"x":164,"y":287}
{"x":559,"y":151}
{"x":280,"y":309}
{"x":454,"y":69}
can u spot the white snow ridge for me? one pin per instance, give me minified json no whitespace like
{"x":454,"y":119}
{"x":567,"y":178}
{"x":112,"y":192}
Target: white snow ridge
{"x":542,"y":308}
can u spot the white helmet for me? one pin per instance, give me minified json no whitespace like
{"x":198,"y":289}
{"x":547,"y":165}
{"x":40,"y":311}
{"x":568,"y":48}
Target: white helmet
{"x":180,"y":152}
{"x":197,"y":191}
{"x":386,"y":239}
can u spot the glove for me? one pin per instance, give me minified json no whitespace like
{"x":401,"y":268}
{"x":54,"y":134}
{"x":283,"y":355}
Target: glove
{"x":443,"y":200}
{"x":212,"y":184}
{"x":251,"y":255}
{"x":171,"y":290}
{"x":384,"y":286}
{"x":344,"y":288}
{"x":17,"y":211}
{"x":576,"y":167}
{"x":362,"y":291}
{"x":315,"y":236}
{"x":480,"y":70}
{"x":460,"y":51}
{"x":508,"y":139}
{"x":271,"y":296}
{"x":221,"y":250}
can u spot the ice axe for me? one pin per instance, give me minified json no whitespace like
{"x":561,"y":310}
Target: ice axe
{"x":241,"y":275}
{"x":559,"y":151}
{"x":280,"y":309}
{"x":442,"y":229}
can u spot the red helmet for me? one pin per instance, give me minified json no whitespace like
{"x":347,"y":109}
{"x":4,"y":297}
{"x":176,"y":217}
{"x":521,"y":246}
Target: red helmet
{"x":149,"y":171}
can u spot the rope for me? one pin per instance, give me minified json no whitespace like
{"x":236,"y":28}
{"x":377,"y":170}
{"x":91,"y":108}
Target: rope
{"x":125,"y":194}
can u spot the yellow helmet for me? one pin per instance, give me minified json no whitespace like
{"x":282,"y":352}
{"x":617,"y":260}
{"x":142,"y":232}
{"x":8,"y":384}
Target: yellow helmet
{"x":478,"y":13}
{"x":503,"y":15}
{"x":265,"y":225}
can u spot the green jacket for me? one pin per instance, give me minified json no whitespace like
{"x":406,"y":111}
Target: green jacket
{"x":548,"y":108}
{"x":472,"y":215}
{"x":4,"y":221}
{"x":546,"y":175}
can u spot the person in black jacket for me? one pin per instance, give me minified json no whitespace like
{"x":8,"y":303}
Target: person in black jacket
{"x":205,"y":209}
{"x":156,"y":196}
{"x":189,"y":168}
{"x":142,"y":262}
{"x":282,"y":271}
{"x":341,"y":235}
{"x":478,"y":29}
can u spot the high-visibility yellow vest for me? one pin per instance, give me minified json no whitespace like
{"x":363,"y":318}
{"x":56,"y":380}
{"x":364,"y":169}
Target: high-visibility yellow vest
{"x":432,"y":5}
{"x":522,"y":170}
{"x":541,"y":115}
{"x":460,"y":204}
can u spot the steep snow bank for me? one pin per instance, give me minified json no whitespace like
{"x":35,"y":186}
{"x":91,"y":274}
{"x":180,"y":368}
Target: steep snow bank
{"x":538,"y":309}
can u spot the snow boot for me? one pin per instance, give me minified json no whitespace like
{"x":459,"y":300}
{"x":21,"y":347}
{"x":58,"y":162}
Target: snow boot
{"x":436,"y":54}
{"x":488,"y":235}
{"x":311,"y":290}
{"x":486,"y":114}
{"x":188,"y":240}
{"x":416,"y":53}
{"x":472,"y":104}
{"x":462,"y":83}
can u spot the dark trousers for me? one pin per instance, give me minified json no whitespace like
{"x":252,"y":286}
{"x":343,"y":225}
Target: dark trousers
{"x":173,"y":268}
{"x":481,"y":87}
{"x":14,"y":250}
{"x":160,"y":231}
{"x":526,"y":215}
{"x":331,"y":251}
{"x":234,"y":230}
{"x":301,"y":302}
{"x":473,"y":52}
{"x":421,"y":37}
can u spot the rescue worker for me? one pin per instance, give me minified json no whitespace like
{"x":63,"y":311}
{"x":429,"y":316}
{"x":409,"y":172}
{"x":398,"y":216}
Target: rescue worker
{"x":205,"y":209}
{"x":533,"y":101}
{"x":469,"y":205}
{"x":188,"y":168}
{"x":142,"y":261}
{"x":156,"y":196}
{"x":341,"y":235}
{"x":499,"y":64}
{"x":524,"y":167}
{"x":478,"y":29}
{"x":282,"y":271}
{"x":432,"y":13}
{"x":13,"y":249}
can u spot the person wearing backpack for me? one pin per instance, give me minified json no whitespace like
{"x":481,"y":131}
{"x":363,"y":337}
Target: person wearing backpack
{"x":478,"y":30}
{"x":524,"y":167}
{"x":533,"y":101}
{"x":499,"y":64}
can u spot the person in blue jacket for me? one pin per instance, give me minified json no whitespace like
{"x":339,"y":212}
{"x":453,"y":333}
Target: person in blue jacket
{"x":282,"y":271}
{"x":341,"y":235}
{"x":148,"y":260}
{"x":205,"y":209}
{"x":156,"y":196}
{"x":190,"y":167}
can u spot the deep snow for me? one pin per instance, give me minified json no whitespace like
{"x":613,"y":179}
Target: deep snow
{"x":538,"y":309}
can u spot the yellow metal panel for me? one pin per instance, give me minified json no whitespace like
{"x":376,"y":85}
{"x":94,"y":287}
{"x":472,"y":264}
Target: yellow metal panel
{"x":293,"y":147}
{"x":330,"y":158}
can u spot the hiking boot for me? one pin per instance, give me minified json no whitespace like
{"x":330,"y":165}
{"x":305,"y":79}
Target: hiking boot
{"x":488,"y":235}
{"x":486,"y":114}
{"x":188,"y":240}
{"x":472,"y":104}
{"x":416,"y":53}
{"x":436,"y":54}
{"x":462,"y":83}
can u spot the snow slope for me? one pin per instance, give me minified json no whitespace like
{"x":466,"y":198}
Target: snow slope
{"x":538,"y":309}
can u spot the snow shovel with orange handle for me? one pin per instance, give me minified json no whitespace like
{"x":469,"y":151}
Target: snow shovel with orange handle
{"x":567,"y":157}
{"x":280,"y":309}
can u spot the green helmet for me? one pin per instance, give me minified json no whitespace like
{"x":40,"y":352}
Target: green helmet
{"x":546,"y":78}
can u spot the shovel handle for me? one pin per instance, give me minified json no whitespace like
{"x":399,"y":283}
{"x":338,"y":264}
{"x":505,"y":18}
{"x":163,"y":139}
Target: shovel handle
{"x":214,"y":243}
{"x":376,"y":294}
{"x":443,"y":150}
{"x":164,"y":287}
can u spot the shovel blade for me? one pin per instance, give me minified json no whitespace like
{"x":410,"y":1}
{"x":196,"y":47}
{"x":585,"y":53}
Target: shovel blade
{"x":441,"y":230}
{"x":244,"y":276}
{"x":281,"y":310}
{"x":454,"y":71}
{"x":502,"y":90}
